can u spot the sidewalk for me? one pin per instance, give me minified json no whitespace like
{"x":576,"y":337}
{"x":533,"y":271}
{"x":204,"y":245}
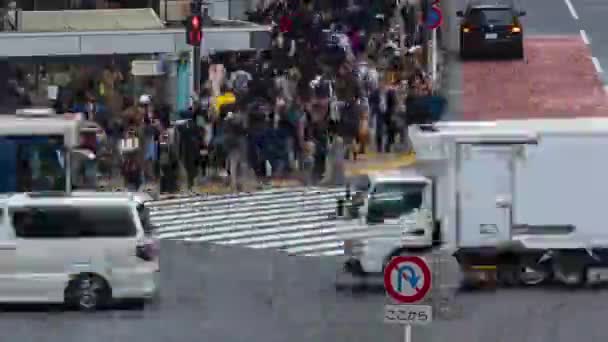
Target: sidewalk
{"x":374,"y":162}
{"x":371,"y":162}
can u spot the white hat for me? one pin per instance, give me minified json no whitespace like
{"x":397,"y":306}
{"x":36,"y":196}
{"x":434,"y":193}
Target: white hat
{"x":145,"y":99}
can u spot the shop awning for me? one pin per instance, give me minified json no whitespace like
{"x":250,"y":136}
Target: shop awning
{"x":141,"y":41}
{"x":91,"y":20}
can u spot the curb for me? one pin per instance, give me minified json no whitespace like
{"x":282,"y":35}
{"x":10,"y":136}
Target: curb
{"x":401,"y":162}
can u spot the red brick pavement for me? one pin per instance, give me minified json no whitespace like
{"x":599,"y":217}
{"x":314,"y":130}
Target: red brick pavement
{"x":557,"y":79}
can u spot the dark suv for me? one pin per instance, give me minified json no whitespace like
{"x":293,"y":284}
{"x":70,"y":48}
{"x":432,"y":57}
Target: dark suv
{"x":491,"y":26}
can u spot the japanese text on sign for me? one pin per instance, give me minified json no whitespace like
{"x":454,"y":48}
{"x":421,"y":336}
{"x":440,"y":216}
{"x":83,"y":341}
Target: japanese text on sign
{"x":408,"y":314}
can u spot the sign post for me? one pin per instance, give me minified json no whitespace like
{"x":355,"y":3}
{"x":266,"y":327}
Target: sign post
{"x":434,"y":18}
{"x":433,"y":21}
{"x":407,"y":280}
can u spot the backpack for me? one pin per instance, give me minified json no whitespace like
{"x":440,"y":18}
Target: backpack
{"x":241,"y":82}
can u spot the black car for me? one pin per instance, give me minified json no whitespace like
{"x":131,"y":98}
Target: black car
{"x":491,"y":26}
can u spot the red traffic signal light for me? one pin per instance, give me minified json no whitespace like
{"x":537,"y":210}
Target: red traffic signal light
{"x":195,"y":22}
{"x":194,"y":30}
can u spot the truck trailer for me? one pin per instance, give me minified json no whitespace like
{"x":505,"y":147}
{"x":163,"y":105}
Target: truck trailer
{"x":514,"y":201}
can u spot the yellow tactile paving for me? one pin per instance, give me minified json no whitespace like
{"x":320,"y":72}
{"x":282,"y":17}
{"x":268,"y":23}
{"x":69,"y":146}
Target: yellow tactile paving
{"x":380,"y":165}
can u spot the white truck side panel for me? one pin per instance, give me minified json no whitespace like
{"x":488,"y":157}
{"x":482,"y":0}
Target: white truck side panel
{"x":484,"y":178}
{"x":564,"y":180}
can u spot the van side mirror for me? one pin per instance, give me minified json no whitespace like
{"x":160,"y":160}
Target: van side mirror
{"x":459,"y":14}
{"x":522,"y":13}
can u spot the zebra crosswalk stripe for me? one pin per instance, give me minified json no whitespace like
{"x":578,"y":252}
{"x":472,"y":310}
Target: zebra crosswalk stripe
{"x":296,"y":220}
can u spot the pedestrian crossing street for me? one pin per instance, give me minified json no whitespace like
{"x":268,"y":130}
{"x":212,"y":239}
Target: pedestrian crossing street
{"x":295,"y":220}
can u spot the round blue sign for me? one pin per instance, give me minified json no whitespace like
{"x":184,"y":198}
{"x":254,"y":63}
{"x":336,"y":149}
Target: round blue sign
{"x":434,"y":18}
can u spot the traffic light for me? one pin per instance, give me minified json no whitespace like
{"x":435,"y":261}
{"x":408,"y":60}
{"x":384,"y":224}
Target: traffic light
{"x":194,"y":30}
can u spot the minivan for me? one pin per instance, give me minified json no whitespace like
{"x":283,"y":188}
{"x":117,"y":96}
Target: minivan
{"x":84,"y":250}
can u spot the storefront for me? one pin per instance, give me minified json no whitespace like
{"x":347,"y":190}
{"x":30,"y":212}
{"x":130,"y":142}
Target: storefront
{"x":73,"y":54}
{"x":61,"y":81}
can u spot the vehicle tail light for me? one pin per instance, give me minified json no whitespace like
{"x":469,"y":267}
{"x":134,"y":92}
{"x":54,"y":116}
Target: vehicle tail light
{"x":515,"y":29}
{"x":468,"y":28}
{"x":148,"y":250}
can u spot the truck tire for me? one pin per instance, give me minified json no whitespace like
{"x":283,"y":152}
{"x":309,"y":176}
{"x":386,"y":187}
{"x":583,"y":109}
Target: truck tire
{"x":509,"y":275}
{"x":508,"y":270}
{"x":570,"y":268}
{"x":581,"y":279}
{"x":405,"y":252}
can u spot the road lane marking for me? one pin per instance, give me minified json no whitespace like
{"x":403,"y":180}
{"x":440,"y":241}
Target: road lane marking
{"x":585,"y":37}
{"x":571,"y":9}
{"x":596,"y":64}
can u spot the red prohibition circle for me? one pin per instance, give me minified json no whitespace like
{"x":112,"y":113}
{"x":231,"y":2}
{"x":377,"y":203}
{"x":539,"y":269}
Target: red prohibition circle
{"x":388,"y":285}
{"x":439,"y":19}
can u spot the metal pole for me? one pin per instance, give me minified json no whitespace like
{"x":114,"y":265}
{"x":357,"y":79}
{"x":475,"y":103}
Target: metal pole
{"x":196,"y":56}
{"x":166,"y":9}
{"x":434,"y":55}
{"x":407,"y":333}
{"x":425,"y":33}
{"x":196,"y":69}
{"x":68,"y":170}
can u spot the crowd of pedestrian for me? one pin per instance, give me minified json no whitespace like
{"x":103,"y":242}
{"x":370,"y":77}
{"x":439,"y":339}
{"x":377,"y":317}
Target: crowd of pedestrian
{"x":336,"y":83}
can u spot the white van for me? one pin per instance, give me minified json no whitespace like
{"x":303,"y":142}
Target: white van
{"x":82,"y":250}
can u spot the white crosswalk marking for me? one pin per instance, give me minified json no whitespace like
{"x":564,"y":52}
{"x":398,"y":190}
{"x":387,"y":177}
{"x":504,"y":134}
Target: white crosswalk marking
{"x":296,"y":220}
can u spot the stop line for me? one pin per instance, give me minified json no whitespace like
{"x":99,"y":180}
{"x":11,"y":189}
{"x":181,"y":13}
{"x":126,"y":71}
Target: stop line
{"x":296,"y":220}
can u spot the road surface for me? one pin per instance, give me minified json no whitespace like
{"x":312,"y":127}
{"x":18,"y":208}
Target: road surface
{"x":561,"y":75}
{"x":233,"y":295}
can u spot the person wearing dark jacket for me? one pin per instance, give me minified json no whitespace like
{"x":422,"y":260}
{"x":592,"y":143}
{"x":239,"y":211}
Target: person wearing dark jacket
{"x":377,"y":103}
{"x":190,"y":137}
{"x":256,"y":126}
{"x":389,"y":124}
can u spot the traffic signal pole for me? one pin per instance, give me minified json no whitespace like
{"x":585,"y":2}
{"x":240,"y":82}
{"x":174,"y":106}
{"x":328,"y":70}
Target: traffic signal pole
{"x":196,"y":69}
{"x":196,"y":9}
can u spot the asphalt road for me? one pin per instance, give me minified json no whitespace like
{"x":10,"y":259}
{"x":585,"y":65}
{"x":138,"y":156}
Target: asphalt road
{"x":230,"y":294}
{"x":591,"y":22}
{"x":544,"y":18}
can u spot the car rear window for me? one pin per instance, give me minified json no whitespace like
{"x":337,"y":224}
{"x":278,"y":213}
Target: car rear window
{"x":490,"y":16}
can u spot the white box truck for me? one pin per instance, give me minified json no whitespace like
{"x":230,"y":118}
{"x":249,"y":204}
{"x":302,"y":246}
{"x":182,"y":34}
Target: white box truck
{"x":518,"y":201}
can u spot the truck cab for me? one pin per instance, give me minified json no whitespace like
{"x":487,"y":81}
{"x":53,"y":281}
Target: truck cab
{"x":396,"y":209}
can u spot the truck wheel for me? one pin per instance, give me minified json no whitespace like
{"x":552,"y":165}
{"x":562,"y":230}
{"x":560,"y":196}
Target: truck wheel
{"x":508,"y":275}
{"x":577,"y":280}
{"x":530,"y":276}
{"x":405,"y":252}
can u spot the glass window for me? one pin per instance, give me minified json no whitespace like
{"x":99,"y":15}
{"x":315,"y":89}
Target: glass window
{"x":40,"y":163}
{"x":106,"y":222}
{"x":50,"y":222}
{"x":71,"y":222}
{"x":395,"y":199}
{"x":498,"y":16}
{"x":398,"y":188}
